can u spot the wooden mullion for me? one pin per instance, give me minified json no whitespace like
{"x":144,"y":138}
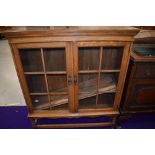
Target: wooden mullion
{"x":34,"y":73}
{"x":41,"y":94}
{"x":56,"y":73}
{"x":99,"y":75}
{"x":58,"y":93}
{"x":52,"y":73}
{"x":96,"y":71}
{"x":76,"y":85}
{"x":45,"y":75}
{"x":69,"y":69}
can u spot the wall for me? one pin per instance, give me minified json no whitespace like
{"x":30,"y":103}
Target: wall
{"x":10,"y":90}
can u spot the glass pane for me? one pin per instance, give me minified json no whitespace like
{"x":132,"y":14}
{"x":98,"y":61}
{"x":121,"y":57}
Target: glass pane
{"x":57,"y":83}
{"x":59,"y":102}
{"x":106,"y":100}
{"x":31,"y":60}
{"x":55,"y":59}
{"x":36,"y":83}
{"x":148,"y":51}
{"x":87,"y":103}
{"x":88,"y":58}
{"x":40,"y":102}
{"x":88,"y":83}
{"x":97,"y":95}
{"x":108,"y":82}
{"x":112,"y":57}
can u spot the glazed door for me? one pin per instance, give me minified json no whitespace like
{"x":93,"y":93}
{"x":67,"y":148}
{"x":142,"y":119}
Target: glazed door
{"x":47,"y":67}
{"x":97,"y":68}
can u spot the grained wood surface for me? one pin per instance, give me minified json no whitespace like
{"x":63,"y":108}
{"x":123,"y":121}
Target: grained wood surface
{"x":71,"y":40}
{"x":66,"y":114}
{"x":79,"y":125}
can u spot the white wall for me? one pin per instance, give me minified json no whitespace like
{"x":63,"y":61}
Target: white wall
{"x":10,"y":90}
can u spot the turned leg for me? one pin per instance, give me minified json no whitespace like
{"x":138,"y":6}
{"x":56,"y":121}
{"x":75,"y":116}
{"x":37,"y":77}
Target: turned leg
{"x":34,"y":122}
{"x":114,"y":122}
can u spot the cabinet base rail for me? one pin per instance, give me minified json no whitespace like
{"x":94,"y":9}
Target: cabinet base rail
{"x":112,"y":123}
{"x":80,"y":125}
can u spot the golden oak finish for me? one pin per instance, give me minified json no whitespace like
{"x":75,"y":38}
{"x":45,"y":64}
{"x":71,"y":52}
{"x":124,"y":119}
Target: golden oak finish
{"x":80,"y":125}
{"x":78,"y":72}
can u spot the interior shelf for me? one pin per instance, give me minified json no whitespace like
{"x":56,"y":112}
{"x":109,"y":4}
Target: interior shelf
{"x":87,"y":89}
{"x":51,"y":72}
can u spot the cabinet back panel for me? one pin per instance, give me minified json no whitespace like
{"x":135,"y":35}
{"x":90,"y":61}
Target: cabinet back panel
{"x":31,"y":60}
{"x":38,"y":101}
{"x":57,"y":83}
{"x":112,"y":57}
{"x":55,"y":59}
{"x":36,"y":83}
{"x":104,"y":101}
{"x":88,"y":58}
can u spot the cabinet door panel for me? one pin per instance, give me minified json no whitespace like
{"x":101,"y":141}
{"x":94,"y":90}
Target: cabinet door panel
{"x":142,"y":95}
{"x":46,"y":70}
{"x":98,"y":74}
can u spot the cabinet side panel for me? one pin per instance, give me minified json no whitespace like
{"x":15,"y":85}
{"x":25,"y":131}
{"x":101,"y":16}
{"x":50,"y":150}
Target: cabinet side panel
{"x":21,"y":76}
{"x":122,"y":76}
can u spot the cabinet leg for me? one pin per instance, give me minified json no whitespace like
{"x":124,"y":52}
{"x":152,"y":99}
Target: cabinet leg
{"x":114,"y":122}
{"x":34,"y":122}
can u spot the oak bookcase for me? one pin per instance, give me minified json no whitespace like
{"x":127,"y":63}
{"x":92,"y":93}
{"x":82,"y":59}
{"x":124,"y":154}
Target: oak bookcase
{"x":72,"y":73}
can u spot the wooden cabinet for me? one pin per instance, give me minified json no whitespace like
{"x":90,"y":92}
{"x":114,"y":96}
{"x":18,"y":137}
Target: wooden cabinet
{"x":139,"y":94}
{"x":72,"y":73}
